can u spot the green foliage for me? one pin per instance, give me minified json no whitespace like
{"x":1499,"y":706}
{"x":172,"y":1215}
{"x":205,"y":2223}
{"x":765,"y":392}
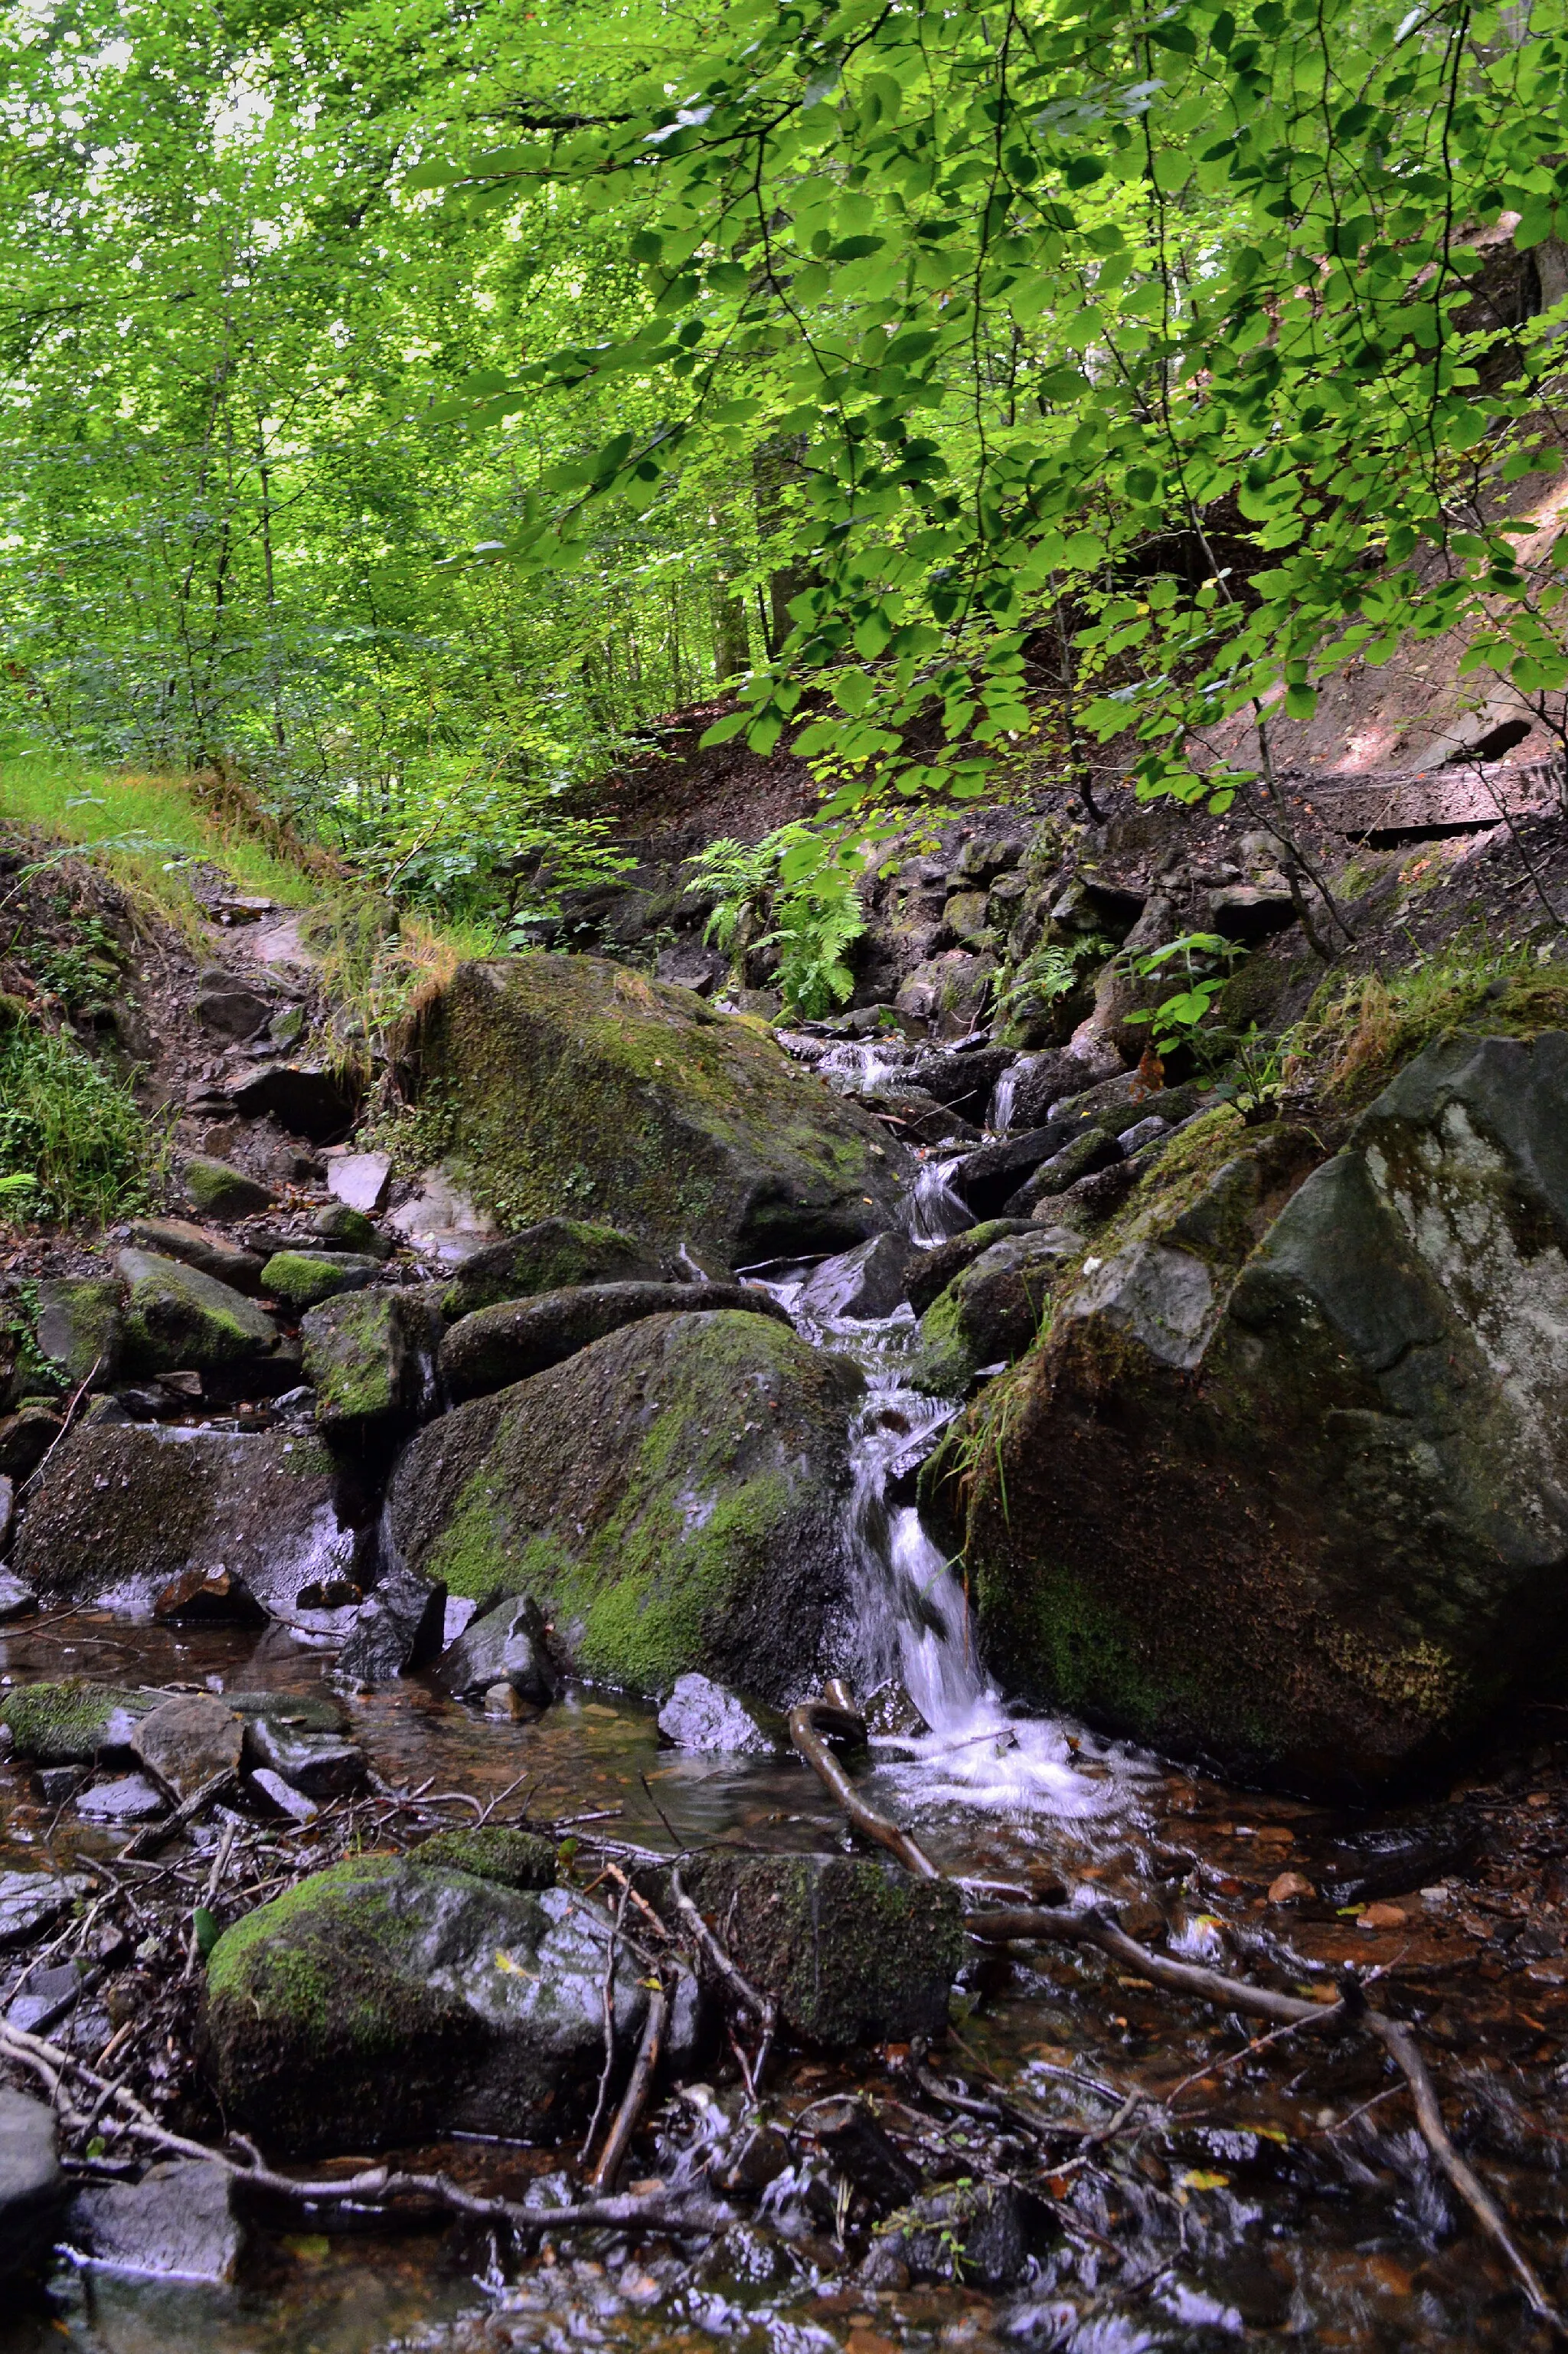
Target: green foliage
{"x":792,"y":891}
{"x":67,"y":1128}
{"x":1175,"y":1019}
{"x":1358,"y":1031}
{"x":1049,"y":972}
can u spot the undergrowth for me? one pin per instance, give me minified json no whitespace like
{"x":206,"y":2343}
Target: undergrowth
{"x":78,"y":1133}
{"x":1360,"y":1030}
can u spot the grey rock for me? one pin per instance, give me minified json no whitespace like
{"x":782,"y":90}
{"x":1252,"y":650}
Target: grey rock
{"x":704,"y":1716}
{"x":554,"y":1256}
{"x":867,"y":1282}
{"x":1085,"y":1155}
{"x":360,"y":1180}
{"x":322,"y":1764}
{"x":220,"y":1191}
{"x":32,"y":2188}
{"x":31,"y":1902}
{"x":497,"y":1346}
{"x":931,"y":1271}
{"x":189,"y":1739}
{"x":16,"y":1601}
{"x":965,"y":1081}
{"x":132,"y":1798}
{"x":8,"y":1506}
{"x":70,"y":1723}
{"x":694,"y":965}
{"x":232,"y":1009}
{"x":199,"y":1247}
{"x":342,"y":1228}
{"x":991,"y":1311}
{"x":26,"y":1437}
{"x":78,"y":1329}
{"x":371,"y":1356}
{"x":177,"y":2223}
{"x":506,"y":1645}
{"x":284,"y":1796}
{"x":43,"y":1997}
{"x":398,"y":1627}
{"x":104,"y":1410}
{"x":179,"y":1320}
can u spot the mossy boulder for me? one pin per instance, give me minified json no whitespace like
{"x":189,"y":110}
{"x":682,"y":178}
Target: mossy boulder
{"x":853,"y":1950}
{"x":384,"y":2001}
{"x":1291,"y":1491}
{"x":571,"y":1085}
{"x":496,"y":1346}
{"x":493,"y":1851}
{"x":178,"y":1320}
{"x":370,"y":1356}
{"x":301,"y":1279}
{"x":931,"y":1271}
{"x":991,"y":1311}
{"x":80,"y":1329}
{"x":549,"y":1257}
{"x":218,"y":1190}
{"x":344,"y":1228}
{"x":672,"y":1496}
{"x":68,"y":1723}
{"x":126,"y":1510}
{"x":199,"y":1247}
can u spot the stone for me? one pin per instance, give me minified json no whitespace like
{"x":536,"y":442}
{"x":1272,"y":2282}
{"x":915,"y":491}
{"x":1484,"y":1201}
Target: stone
{"x":7,"y":1509}
{"x":43,"y":1997}
{"x":442,"y":1221}
{"x":1290,"y":1888}
{"x":32,"y":2188}
{"x":491,"y":1851}
{"x":68,"y":1723}
{"x":360,"y":1180}
{"x":1039,"y":1082}
{"x":31,"y":1902}
{"x":187,"y":1740}
{"x":130,"y":1799}
{"x":177,"y":2223}
{"x":568,"y":1077}
{"x":504,"y":1645}
{"x":672,"y":1496}
{"x":178,"y":1320}
{"x":867,"y":1282}
{"x":915,"y":1117}
{"x":16,"y":1601}
{"x":122,"y":1513}
{"x":385,"y":2001}
{"x":1323,"y":1534}
{"x":964,"y":1081}
{"x":26,"y":1437}
{"x":301,"y":1279}
{"x":284,"y":1796}
{"x":693,"y":965}
{"x":931,"y":1271}
{"x":341,"y":1228}
{"x":854,"y":1951}
{"x":232,"y":1009}
{"x":220,"y":1191}
{"x":949,"y":992}
{"x":322,"y":1764}
{"x":553,"y":1256}
{"x":371,"y":1358}
{"x":309,"y":1099}
{"x":706,"y":1717}
{"x":204,"y":1594}
{"x":1083,"y":1155}
{"x":964,"y":918}
{"x":497,"y":1346}
{"x":79,"y":1330}
{"x":199,"y":1247}
{"x":991,"y":1311}
{"x":398,"y":1627}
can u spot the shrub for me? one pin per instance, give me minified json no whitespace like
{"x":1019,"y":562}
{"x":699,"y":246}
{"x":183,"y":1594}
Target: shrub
{"x":66,"y":1123}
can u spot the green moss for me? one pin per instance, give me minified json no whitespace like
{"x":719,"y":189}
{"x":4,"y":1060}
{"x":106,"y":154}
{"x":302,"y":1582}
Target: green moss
{"x":65,"y":1723}
{"x":348,"y":1358}
{"x":303,"y":1279}
{"x":493,"y":1851}
{"x":273,"y":1956}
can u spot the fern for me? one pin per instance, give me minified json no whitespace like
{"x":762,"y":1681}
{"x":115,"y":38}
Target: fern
{"x":796,"y":883}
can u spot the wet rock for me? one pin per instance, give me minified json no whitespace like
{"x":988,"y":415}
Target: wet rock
{"x":16,"y":1601}
{"x":963,"y":1081}
{"x":931,"y":1271}
{"x":360,"y":1180}
{"x":496,"y":1346}
{"x":342,"y":1228}
{"x":283,"y":1795}
{"x":491,"y":1851}
{"x":854,"y":1951}
{"x":25,"y":1438}
{"x":177,"y":1319}
{"x":177,"y":2223}
{"x":218,"y":1190}
{"x":868,"y":1281}
{"x":1083,"y":1155}
{"x":504,"y":1645}
{"x":949,"y":992}
{"x":1042,"y":1082}
{"x":891,"y":1715}
{"x":200,"y":1248}
{"x":187,"y":1740}
{"x":986,"y":1178}
{"x":79,"y":1330}
{"x":398,"y":1627}
{"x":371,"y":1356}
{"x":991,"y":1311}
{"x":122,"y":1513}
{"x":678,"y":1122}
{"x":979,"y":2233}
{"x":442,"y":1221}
{"x":322,"y":1764}
{"x":204,"y":1594}
{"x":43,"y":1997}
{"x":306,"y":1099}
{"x":704,"y":1716}
{"x":1324,"y":1531}
{"x":693,"y":965}
{"x":232,"y":1009}
{"x":32,"y":2188}
{"x":31,"y":1902}
{"x":303,"y":1278}
{"x":864,"y":2154}
{"x":385,"y":2001}
{"x":915,"y":1117}
{"x":553,"y":1256}
{"x":1391,"y":1859}
{"x":130,"y":1799}
{"x":68,"y":1723}
{"x":673,"y":1497}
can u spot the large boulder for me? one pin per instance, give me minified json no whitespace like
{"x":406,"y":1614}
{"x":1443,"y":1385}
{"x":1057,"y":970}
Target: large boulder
{"x":991,"y":1311}
{"x":1292,"y":1490}
{"x":497,"y":1346}
{"x":386,"y":2000}
{"x":179,"y":1320}
{"x":32,"y":2188}
{"x":555,"y":1080}
{"x":370,"y":1357}
{"x":126,"y":1510}
{"x":549,"y":1257}
{"x":673,"y":1497}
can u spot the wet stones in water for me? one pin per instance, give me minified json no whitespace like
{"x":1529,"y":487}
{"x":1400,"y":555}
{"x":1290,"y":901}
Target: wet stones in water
{"x":398,"y":1627}
{"x":864,"y":2154}
{"x":931,"y":1271}
{"x":869,"y":1281}
{"x":385,"y":2000}
{"x":218,"y":1190}
{"x":1085,"y":1155}
{"x":370,"y":1356}
{"x":985,"y":1180}
{"x":16,"y":1601}
{"x":964,"y":1081}
{"x":1391,"y":1859}
{"x":553,"y":1256}
{"x":26,"y":1437}
{"x":199,"y":1247}
{"x":513,"y":1859}
{"x":854,"y":1951}
{"x":984,"y":2233}
{"x":177,"y":1319}
{"x":322,"y":1764}
{"x":204,"y":1594}
{"x":702,"y":1716}
{"x":187,"y":1741}
{"x":303,"y":1278}
{"x":991,"y":1311}
{"x":506,"y":1646}
{"x":130,"y":1799}
{"x":122,"y":1513}
{"x":32,"y":2188}
{"x":891,"y":1715}
{"x":69,"y":1724}
{"x":177,"y":2223}
{"x":31,"y":1902}
{"x":497,"y":1346}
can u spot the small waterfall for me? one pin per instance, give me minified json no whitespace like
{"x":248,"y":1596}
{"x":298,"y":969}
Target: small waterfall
{"x":854,"y":1066}
{"x":935,"y":1211}
{"x":999,"y":1113}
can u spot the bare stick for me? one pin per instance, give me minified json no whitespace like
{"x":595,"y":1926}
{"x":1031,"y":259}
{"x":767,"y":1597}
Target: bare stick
{"x":156,"y":1835}
{"x":762,"y":2007}
{"x":608,"y":1999}
{"x":634,"y":2100}
{"x":808,"y":1739}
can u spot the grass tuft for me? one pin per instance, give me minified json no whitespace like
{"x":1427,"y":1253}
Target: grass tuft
{"x":1357,"y":1035}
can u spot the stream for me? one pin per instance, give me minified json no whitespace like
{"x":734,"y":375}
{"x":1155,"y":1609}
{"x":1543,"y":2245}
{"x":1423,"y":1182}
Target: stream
{"x":1284,"y":2195}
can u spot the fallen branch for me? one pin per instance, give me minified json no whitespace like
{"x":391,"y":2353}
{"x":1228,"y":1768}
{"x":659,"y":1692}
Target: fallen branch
{"x":763,"y":2007}
{"x":808,"y":1725}
{"x":634,"y":2100}
{"x":148,"y":1840}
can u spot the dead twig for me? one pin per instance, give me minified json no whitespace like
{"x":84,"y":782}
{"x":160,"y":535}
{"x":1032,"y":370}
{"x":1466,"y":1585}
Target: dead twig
{"x":148,"y":1840}
{"x":634,"y":2100}
{"x":762,"y":2007}
{"x":808,"y":1725}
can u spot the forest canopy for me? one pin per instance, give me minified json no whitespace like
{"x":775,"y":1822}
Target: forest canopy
{"x":409,"y":403}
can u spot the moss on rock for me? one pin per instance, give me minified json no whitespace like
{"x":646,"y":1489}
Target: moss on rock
{"x":179,"y":1320}
{"x":68,"y":1723}
{"x":303,"y":1278}
{"x":549,"y":1257}
{"x":493,"y":1851}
